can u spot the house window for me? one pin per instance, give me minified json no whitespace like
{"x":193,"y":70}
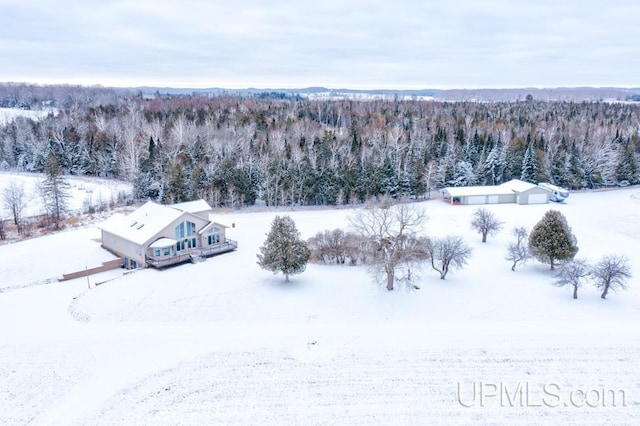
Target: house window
{"x":213,"y":239}
{"x":191,"y":229}
{"x":180,"y":231}
{"x":166,"y":251}
{"x":187,"y":242}
{"x":156,"y":252}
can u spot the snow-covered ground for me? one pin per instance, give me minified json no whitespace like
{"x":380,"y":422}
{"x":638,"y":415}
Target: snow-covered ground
{"x":7,"y":115}
{"x":84,"y":192}
{"x":223,"y":342}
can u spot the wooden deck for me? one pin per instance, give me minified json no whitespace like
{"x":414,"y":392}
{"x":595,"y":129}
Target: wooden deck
{"x":192,"y":255}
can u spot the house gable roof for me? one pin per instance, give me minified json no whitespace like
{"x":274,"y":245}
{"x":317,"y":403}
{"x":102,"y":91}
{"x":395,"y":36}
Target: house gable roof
{"x":192,"y":206}
{"x":143,"y":224}
{"x":210,"y":225}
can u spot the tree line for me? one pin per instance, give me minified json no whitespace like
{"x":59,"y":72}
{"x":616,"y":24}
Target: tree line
{"x":280,"y":150}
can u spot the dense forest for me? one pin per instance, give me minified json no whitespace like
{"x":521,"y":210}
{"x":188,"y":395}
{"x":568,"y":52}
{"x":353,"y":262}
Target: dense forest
{"x":279,"y":149}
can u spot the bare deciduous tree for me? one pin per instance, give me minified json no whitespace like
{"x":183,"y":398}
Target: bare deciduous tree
{"x":573,"y":273}
{"x":336,"y":247}
{"x":611,"y":272}
{"x":518,"y":250}
{"x":15,"y":200}
{"x":486,"y":223}
{"x":447,"y":253}
{"x":391,"y":231}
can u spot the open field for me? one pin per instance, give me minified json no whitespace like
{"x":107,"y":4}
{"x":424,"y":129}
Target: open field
{"x":223,"y":342}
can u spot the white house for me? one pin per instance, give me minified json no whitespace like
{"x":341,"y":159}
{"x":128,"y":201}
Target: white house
{"x":514,"y":191}
{"x":158,"y":235}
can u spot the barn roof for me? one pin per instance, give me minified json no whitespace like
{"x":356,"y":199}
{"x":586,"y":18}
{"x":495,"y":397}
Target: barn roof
{"x":461,"y":191}
{"x":517,"y":185}
{"x":507,"y":188}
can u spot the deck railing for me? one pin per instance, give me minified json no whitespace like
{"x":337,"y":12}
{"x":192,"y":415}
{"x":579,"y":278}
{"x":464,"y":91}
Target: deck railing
{"x":191,"y":254}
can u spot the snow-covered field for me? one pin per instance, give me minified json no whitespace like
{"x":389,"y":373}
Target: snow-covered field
{"x":7,"y":115}
{"x":84,"y":192}
{"x":223,"y":342}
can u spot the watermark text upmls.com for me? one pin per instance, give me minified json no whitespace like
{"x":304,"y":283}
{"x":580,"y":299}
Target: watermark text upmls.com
{"x":525,"y":394}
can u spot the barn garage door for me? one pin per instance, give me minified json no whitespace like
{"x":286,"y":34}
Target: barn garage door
{"x":537,"y":198}
{"x":481,"y":199}
{"x":493,"y":199}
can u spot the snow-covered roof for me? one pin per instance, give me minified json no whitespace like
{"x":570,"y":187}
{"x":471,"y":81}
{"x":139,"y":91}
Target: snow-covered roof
{"x":517,"y":185}
{"x":192,"y":206}
{"x":143,"y":224}
{"x":212,"y":223}
{"x":163,"y":242}
{"x":507,"y":188}
{"x":460,"y":191}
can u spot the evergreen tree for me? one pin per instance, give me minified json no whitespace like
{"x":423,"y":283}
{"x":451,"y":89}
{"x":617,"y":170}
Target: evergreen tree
{"x":559,"y":166}
{"x":54,"y":189}
{"x":464,"y":175}
{"x":627,"y":168}
{"x":529,"y":169}
{"x":283,"y":250}
{"x":576,"y":171}
{"x":176,"y":183}
{"x":198,"y":182}
{"x":551,"y":239}
{"x":495,"y":164}
{"x":147,"y":186}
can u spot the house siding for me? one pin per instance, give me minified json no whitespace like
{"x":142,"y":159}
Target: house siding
{"x":523,"y":197}
{"x":487,"y":199}
{"x":123,"y":247}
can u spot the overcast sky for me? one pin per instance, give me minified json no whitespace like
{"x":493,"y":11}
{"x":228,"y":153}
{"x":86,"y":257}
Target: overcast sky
{"x":395,"y":44}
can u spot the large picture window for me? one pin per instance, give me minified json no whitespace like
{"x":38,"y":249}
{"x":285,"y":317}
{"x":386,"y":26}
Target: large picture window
{"x":185,"y":229}
{"x":180,"y":231}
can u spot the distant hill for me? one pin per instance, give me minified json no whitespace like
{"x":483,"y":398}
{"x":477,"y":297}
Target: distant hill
{"x":28,"y":96}
{"x":482,"y":95}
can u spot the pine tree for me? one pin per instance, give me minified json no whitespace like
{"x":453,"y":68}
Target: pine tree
{"x":559,"y":165}
{"x":529,"y":165}
{"x":283,"y":250}
{"x":551,"y":239}
{"x":54,"y":189}
{"x":464,"y":175}
{"x":627,"y":167}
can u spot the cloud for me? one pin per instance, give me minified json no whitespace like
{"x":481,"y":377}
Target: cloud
{"x":349,"y":43}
